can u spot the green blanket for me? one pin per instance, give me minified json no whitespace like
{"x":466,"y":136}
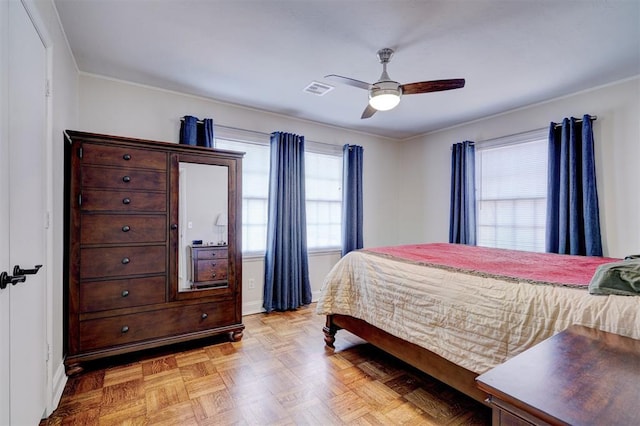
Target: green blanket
{"x":621,"y":278}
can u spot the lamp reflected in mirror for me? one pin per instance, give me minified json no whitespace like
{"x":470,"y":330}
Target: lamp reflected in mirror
{"x":221,"y":225}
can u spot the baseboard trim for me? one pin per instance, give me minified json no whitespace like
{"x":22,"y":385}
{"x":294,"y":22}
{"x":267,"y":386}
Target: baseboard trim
{"x":57,"y":387}
{"x":255,"y":306}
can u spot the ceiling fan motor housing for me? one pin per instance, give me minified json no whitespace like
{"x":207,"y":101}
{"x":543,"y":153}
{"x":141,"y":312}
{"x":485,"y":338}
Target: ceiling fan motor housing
{"x":384,"y":55}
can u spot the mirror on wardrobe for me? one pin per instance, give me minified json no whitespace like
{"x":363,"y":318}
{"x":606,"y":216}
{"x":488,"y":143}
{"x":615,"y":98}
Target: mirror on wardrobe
{"x":202,"y":226}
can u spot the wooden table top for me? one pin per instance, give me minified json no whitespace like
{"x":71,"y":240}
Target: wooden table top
{"x":580,"y":376}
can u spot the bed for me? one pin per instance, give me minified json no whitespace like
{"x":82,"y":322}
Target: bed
{"x":456,"y":311}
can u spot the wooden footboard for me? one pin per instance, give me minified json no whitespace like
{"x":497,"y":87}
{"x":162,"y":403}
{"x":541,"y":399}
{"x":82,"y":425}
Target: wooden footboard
{"x":424,"y":360}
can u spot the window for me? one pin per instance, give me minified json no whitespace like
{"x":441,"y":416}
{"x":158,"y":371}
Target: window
{"x":255,"y":191}
{"x":511,"y":185}
{"x":323,"y":184}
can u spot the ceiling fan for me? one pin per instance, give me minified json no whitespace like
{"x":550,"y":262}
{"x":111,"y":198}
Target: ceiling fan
{"x":385,"y":93}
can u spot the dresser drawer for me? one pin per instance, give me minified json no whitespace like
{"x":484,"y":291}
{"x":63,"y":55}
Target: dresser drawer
{"x":201,"y":253}
{"x":123,"y":156}
{"x":211,"y":270}
{"x":121,"y":261}
{"x":103,"y":295}
{"x":123,"y":201}
{"x":120,"y":330}
{"x":109,"y":229}
{"x":124,"y":178}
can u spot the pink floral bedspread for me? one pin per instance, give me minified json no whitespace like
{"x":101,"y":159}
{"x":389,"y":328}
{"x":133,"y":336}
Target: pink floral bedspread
{"x":543,"y":268}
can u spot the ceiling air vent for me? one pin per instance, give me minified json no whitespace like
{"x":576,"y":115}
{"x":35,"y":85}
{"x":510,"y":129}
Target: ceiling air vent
{"x":318,"y":89}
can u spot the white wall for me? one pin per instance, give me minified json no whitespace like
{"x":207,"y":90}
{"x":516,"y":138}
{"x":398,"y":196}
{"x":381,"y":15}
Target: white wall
{"x":120,"y":108}
{"x":426,"y":160}
{"x":63,"y":114}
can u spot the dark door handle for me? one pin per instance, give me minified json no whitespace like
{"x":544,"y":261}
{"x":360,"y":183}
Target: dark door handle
{"x":6,"y":279}
{"x":17,"y":270}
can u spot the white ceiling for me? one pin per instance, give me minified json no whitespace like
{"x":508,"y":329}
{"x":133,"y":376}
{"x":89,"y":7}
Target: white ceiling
{"x":263,"y":53}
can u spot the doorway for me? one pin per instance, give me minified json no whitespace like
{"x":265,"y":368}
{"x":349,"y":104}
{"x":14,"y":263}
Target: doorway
{"x":23,"y":221}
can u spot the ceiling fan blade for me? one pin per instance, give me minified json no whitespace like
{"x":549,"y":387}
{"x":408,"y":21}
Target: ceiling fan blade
{"x":432,"y":86}
{"x":368,"y":112}
{"x":349,"y":81}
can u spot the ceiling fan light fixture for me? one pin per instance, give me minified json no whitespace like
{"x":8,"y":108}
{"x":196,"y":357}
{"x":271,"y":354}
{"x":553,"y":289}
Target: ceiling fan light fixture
{"x":385,"y":95}
{"x":384,"y":101}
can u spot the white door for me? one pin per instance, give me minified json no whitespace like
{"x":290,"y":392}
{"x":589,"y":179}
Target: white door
{"x":25,"y":227}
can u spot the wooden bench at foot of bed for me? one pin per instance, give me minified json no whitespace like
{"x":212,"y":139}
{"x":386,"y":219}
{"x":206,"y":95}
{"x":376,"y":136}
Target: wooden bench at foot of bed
{"x":424,"y":360}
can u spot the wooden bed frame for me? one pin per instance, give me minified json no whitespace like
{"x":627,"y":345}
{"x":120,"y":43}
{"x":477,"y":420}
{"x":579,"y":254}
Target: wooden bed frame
{"x":424,"y":360}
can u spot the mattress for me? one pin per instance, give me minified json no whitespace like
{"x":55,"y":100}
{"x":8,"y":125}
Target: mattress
{"x":476,"y":320}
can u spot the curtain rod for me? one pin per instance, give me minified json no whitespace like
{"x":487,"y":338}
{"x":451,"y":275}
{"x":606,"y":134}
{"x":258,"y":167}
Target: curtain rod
{"x":592,"y":117}
{"x":328,"y":145}
{"x":268,"y":134}
{"x":491,"y":141}
{"x":578,"y":120}
{"x":197,"y":121}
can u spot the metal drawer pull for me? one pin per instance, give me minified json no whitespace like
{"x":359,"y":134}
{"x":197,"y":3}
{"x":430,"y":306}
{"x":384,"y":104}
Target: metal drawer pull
{"x":125,"y":293}
{"x":125,"y":329}
{"x":126,"y":260}
{"x":127,"y":157}
{"x":213,"y":275}
{"x":126,"y":201}
{"x":204,"y":316}
{"x":126,"y":179}
{"x":126,"y":228}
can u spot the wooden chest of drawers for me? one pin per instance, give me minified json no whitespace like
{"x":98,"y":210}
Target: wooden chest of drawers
{"x":122,"y":224}
{"x":208,"y":266}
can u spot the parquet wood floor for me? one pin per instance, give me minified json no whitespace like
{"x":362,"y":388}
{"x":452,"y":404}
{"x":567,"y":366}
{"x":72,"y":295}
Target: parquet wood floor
{"x":280,"y":373}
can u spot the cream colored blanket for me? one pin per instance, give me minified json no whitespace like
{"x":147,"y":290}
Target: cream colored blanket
{"x":476,"y":322}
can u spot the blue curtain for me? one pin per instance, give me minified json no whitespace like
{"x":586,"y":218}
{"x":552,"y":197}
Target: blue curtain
{"x":351,"y":198}
{"x":573,"y":218}
{"x":206,"y":139}
{"x":189,"y":130}
{"x":196,"y":133}
{"x":462,"y":216}
{"x":286,"y":281}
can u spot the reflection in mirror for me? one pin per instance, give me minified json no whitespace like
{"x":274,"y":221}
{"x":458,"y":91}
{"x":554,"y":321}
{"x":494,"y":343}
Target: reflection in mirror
{"x":203,"y":204}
